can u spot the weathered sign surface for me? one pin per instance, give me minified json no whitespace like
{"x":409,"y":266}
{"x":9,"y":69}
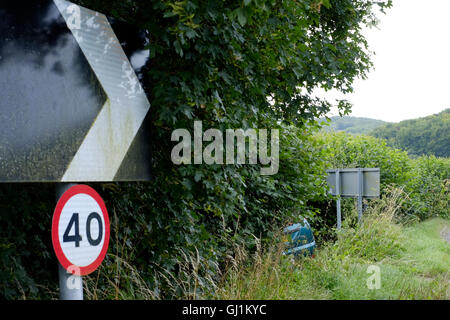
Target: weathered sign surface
{"x":71,"y":105}
{"x":349,"y":183}
{"x":353,"y":183}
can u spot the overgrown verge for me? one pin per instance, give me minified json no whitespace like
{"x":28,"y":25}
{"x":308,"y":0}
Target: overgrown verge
{"x":216,"y":62}
{"x":412,"y":260}
{"x":425,"y":180}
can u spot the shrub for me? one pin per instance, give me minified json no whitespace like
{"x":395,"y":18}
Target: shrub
{"x":205,"y":220}
{"x":343,"y":150}
{"x":234,"y":64}
{"x":428,"y":188}
{"x":362,"y":151}
{"x":424,"y":179}
{"x":340,"y":268}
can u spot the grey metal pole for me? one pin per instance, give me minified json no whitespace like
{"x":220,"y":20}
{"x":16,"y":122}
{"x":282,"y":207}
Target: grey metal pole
{"x":360,"y":193}
{"x":338,"y":201}
{"x":70,"y":286}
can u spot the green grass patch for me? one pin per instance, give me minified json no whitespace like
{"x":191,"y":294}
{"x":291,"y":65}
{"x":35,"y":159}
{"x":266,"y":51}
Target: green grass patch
{"x":413,"y":262}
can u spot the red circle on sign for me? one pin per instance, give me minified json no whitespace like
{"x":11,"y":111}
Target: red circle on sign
{"x":79,"y":189}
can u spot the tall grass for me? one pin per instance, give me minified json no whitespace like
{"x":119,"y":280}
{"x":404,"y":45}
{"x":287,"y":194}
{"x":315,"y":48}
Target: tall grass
{"x":118,"y":279}
{"x":413,"y":260}
{"x":339,"y":269}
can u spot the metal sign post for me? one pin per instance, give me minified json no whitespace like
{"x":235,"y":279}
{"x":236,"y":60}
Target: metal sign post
{"x":356,"y":183}
{"x":338,"y":201}
{"x":72,"y":110}
{"x":80,"y":236}
{"x":360,"y":194}
{"x":70,"y":286}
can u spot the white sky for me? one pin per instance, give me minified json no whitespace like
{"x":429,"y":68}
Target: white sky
{"x":412,"y":63}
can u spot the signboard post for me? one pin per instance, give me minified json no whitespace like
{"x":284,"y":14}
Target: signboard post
{"x":70,"y":285}
{"x":356,"y":183}
{"x":359,"y":196}
{"x":72,"y":110}
{"x":80,"y":236}
{"x":338,"y":201}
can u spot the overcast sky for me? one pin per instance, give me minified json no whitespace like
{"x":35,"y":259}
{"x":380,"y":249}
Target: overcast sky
{"x":412,"y":63}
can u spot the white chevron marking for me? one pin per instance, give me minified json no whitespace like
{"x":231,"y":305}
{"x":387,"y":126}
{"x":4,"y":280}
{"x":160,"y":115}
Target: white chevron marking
{"x":108,"y":140}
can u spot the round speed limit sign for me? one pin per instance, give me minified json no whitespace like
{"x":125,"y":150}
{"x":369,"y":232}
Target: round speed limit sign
{"x":80,"y":230}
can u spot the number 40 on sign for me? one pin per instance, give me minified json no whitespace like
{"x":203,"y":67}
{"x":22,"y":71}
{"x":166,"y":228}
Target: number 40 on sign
{"x":80,"y":230}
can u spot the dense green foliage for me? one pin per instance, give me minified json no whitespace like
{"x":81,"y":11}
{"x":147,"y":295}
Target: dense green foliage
{"x":354,"y":125}
{"x":231,"y":64}
{"x":423,"y":136}
{"x":429,"y":188}
{"x":360,"y":151}
{"x":425,"y":179}
{"x":413,"y":263}
{"x":27,"y":263}
{"x":342,"y":150}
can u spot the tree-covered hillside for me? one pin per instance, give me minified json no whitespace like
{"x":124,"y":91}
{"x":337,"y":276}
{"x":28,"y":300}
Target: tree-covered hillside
{"x":354,"y":125}
{"x":429,"y":135}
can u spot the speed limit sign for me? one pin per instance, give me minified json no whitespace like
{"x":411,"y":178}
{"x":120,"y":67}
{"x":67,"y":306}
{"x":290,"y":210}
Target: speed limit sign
{"x":80,"y":230}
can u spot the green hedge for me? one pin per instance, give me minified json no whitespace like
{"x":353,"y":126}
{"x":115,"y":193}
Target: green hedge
{"x":428,"y":188}
{"x":361,"y":151}
{"x":197,"y":211}
{"x":207,"y":211}
{"x":233,"y":64}
{"x":425,"y":180}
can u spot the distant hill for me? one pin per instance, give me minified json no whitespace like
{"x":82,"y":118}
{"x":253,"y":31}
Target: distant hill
{"x":354,"y":125}
{"x":429,"y":135}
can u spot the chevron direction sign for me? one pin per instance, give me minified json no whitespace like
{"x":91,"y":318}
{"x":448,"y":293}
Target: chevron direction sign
{"x":72,"y":108}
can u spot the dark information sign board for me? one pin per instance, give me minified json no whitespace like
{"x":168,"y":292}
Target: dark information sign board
{"x":72,"y":108}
